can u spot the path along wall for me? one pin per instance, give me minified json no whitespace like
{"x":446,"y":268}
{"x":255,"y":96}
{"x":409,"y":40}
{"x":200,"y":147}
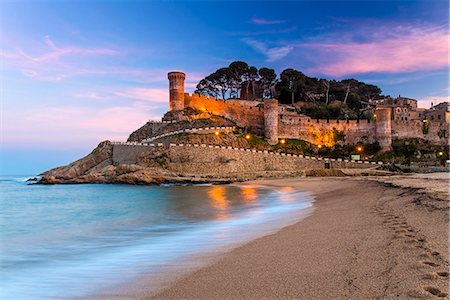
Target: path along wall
{"x":248,"y":114}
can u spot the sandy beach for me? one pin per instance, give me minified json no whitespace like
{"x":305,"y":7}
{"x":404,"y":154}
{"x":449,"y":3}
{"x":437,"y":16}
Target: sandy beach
{"x":368,"y":238}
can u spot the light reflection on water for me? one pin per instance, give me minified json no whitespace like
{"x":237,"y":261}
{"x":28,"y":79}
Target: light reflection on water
{"x":71,"y":240}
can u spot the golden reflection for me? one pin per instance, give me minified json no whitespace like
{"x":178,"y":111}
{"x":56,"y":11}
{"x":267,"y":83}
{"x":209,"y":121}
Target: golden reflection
{"x":217,"y":198}
{"x":286,"y":194}
{"x":249,"y":194}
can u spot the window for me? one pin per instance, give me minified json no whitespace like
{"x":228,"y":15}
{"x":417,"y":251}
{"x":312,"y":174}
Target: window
{"x":439,"y":117}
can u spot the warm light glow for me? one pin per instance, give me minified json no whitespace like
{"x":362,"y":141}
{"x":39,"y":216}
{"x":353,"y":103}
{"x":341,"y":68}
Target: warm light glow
{"x":440,"y":153}
{"x":247,"y":136}
{"x":218,"y":199}
{"x":359,"y":149}
{"x":216,"y":133}
{"x":319,"y":146}
{"x":249,"y":194}
{"x":282,"y":141}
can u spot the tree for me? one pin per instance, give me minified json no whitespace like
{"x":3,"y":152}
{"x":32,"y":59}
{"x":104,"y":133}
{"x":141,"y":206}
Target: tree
{"x":215,"y":84}
{"x":237,"y":70}
{"x":221,"y":81}
{"x":290,"y":79}
{"x":326,"y":83}
{"x":252,"y":76}
{"x":267,"y":81}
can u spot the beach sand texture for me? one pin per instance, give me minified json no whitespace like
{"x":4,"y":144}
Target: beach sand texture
{"x":365,"y":240}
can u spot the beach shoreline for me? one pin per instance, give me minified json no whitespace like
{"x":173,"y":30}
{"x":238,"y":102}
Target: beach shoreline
{"x":365,"y":239}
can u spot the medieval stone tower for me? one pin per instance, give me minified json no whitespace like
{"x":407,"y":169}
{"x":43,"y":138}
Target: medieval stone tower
{"x":271,"y":121}
{"x":176,"y":87}
{"x":383,"y":127}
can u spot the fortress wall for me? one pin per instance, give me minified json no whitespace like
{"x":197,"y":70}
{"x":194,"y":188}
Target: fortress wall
{"x":223,"y":162}
{"x":245,"y":113}
{"x":322,"y":132}
{"x":415,"y":129}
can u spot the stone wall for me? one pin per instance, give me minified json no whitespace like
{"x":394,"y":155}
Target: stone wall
{"x":222,"y":161}
{"x":248,"y":114}
{"x":434,"y":132}
{"x":326,"y":132}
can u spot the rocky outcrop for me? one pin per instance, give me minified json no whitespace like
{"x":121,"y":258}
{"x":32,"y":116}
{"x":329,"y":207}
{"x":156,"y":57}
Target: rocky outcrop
{"x":100,"y":167}
{"x":152,"y":129}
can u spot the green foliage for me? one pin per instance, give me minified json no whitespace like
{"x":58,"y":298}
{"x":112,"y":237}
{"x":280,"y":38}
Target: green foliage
{"x":257,"y":142}
{"x":442,"y":133}
{"x":339,"y":151}
{"x":295,"y":147}
{"x":293,"y":86}
{"x":425,"y":128}
{"x":339,"y":136}
{"x":323,"y":111}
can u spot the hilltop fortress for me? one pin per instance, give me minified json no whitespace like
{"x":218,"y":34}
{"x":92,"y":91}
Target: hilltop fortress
{"x":276,"y":121}
{"x":203,"y":139}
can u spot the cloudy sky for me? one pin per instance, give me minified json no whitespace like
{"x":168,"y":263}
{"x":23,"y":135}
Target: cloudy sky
{"x":75,"y":73}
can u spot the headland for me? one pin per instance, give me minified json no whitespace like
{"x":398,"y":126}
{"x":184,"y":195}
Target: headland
{"x":208,"y":140}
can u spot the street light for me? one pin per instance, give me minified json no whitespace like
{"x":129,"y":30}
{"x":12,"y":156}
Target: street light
{"x":216,"y":133}
{"x":359,"y":149}
{"x":319,"y":146}
{"x":247,"y":136}
{"x":283,"y":141}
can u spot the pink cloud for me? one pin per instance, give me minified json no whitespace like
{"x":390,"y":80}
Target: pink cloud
{"x":160,"y":95}
{"x":73,"y":125}
{"x":390,"y":50}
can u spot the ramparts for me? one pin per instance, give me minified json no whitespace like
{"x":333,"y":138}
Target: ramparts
{"x":266,"y":119}
{"x":223,"y":161}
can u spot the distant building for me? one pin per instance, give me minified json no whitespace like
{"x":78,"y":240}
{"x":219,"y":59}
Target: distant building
{"x":404,"y":109}
{"x":438,"y":113}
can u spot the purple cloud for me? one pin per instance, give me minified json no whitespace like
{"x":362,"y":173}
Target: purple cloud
{"x":385,"y":50}
{"x":262,"y":21}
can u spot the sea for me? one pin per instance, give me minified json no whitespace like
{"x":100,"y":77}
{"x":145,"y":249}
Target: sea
{"x":78,"y":241}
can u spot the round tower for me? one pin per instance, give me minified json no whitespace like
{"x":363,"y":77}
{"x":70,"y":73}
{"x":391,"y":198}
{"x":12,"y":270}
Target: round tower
{"x":176,"y":87}
{"x":383,"y":127}
{"x":271,"y":121}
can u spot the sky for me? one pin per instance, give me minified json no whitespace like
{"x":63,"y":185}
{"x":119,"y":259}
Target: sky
{"x":74,"y":73}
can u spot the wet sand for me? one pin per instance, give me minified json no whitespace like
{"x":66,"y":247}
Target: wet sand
{"x":367,"y":239}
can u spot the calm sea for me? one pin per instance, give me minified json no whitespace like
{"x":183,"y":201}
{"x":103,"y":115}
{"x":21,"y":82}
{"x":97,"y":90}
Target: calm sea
{"x":69,"y":241}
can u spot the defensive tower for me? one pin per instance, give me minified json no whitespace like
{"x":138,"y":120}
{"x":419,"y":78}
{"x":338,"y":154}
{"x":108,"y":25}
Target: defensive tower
{"x":176,"y":87}
{"x":383,"y":127}
{"x":271,"y":121}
